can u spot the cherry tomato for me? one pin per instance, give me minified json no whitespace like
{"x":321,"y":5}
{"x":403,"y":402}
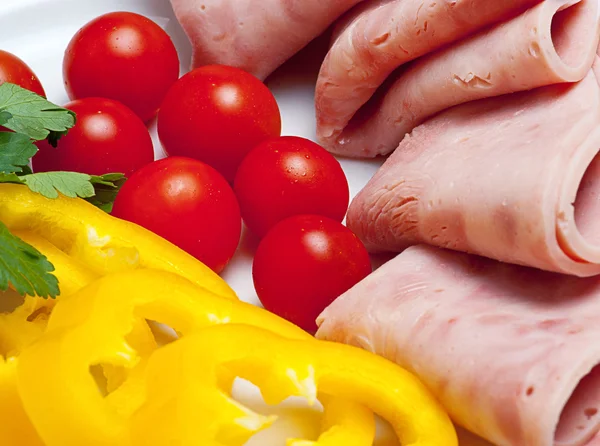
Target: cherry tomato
{"x":122,"y":56}
{"x":15,"y":71}
{"x":304,"y":263}
{"x":186,"y":202}
{"x":217,"y":114}
{"x":289,"y":176}
{"x":107,"y":137}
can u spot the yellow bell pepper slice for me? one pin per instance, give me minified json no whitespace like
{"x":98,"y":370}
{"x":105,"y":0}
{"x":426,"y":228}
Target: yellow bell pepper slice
{"x":188,"y":406}
{"x":20,"y":329}
{"x":71,"y":274}
{"x":344,"y":423}
{"x":27,"y":323}
{"x":90,"y":327}
{"x":103,"y":243}
{"x":16,"y":429}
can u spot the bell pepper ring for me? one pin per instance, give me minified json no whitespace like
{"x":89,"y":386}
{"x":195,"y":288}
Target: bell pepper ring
{"x":188,"y":406}
{"x":355,"y":427}
{"x":71,"y":274}
{"x":103,"y":243}
{"x":20,"y":329}
{"x":17,"y":430}
{"x":27,"y":323}
{"x":91,"y":327}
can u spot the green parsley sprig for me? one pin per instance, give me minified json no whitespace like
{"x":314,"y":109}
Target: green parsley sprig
{"x":32,"y":118}
{"x":24,"y":267}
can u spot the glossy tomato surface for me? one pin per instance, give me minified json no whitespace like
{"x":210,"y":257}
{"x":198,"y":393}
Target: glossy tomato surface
{"x":288,"y":176}
{"x":15,"y":71}
{"x":122,"y":56}
{"x":304,"y":263}
{"x":217,"y":114}
{"x":108,"y":137}
{"x":186,"y":202}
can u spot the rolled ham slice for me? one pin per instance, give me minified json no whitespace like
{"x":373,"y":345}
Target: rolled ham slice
{"x":255,"y":35}
{"x":384,"y":36}
{"x":553,"y":42}
{"x":514,"y":178}
{"x":511,"y":352}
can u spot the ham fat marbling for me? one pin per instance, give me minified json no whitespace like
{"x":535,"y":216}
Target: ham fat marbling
{"x":255,"y":35}
{"x":511,"y":352}
{"x":514,"y":178}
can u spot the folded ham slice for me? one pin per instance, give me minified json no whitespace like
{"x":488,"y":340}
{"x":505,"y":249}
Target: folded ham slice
{"x":255,"y":35}
{"x":514,"y":178}
{"x":553,"y":42}
{"x":511,"y":352}
{"x":383,"y":37}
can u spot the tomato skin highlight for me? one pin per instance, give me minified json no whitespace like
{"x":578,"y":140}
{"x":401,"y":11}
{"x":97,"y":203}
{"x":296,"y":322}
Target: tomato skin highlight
{"x":217,"y":114}
{"x":16,"y":71}
{"x":107,"y":138}
{"x":122,"y":56}
{"x":304,"y":263}
{"x":186,"y":202}
{"x":287,"y":176}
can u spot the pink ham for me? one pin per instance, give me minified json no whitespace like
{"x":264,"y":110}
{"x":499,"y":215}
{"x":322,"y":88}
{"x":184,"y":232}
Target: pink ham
{"x":466,"y":438}
{"x":514,"y":178}
{"x":512,"y":353}
{"x":383,"y":37}
{"x":255,"y":35}
{"x":553,"y":42}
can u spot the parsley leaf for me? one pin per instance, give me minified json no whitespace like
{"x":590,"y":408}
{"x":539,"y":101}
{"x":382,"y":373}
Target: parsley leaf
{"x":99,"y":190}
{"x":16,"y":150}
{"x":32,"y":115}
{"x":10,"y":178}
{"x":107,"y":187}
{"x":24,"y":267}
{"x":109,"y":179}
{"x":49,"y":184}
{"x":33,"y":118}
{"x":26,"y":171}
{"x":4,"y":117}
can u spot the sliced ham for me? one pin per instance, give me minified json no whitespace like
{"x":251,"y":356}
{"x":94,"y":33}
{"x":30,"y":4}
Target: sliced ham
{"x":466,"y":438}
{"x":511,"y":352}
{"x":553,"y":42}
{"x":255,"y":35}
{"x":514,"y":178}
{"x":383,"y":37}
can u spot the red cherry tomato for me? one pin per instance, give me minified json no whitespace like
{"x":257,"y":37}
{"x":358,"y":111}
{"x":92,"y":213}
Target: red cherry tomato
{"x":186,"y":202}
{"x":289,"y":176}
{"x":108,"y":137}
{"x":217,"y":114}
{"x":15,"y":71}
{"x":304,"y":263}
{"x":122,"y":56}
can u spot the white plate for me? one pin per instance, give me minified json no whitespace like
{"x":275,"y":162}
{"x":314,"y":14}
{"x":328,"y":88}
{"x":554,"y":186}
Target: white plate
{"x":38,"y":31}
